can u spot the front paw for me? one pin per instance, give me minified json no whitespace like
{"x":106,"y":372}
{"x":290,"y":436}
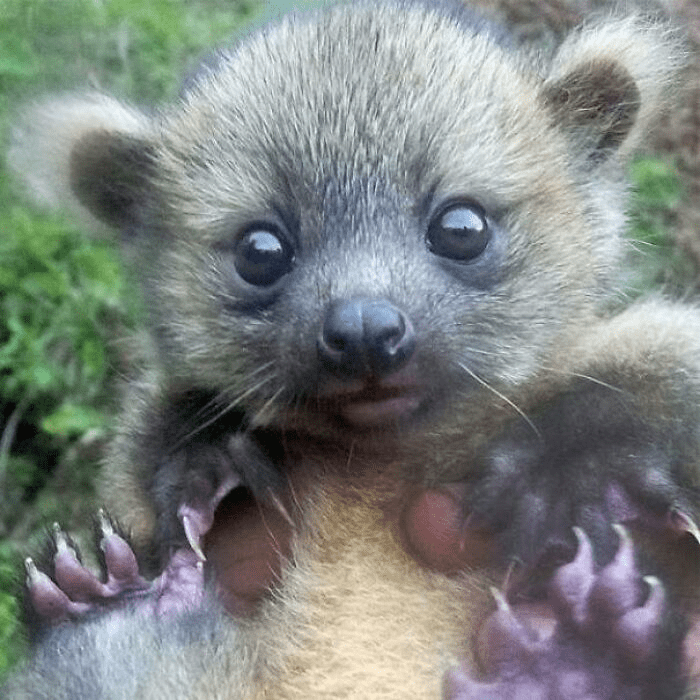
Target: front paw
{"x":589,"y":458}
{"x":61,"y":587}
{"x":614,"y":638}
{"x":190,"y":483}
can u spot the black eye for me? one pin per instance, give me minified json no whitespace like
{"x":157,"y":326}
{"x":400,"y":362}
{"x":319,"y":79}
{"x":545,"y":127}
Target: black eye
{"x":262,"y":256}
{"x":459,"y":232}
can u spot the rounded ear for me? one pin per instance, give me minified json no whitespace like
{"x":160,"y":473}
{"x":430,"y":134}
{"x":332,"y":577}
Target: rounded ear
{"x":598,"y":104}
{"x":91,"y":153}
{"x":609,"y":82}
{"x":110,"y":175}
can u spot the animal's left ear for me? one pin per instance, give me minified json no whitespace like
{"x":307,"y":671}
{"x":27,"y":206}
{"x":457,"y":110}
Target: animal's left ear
{"x":608,"y":82}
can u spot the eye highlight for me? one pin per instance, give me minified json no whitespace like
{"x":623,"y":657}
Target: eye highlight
{"x":459,"y":232}
{"x":262,"y":256}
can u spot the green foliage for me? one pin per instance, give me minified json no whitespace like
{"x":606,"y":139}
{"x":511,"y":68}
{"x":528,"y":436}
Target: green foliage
{"x":63,"y":300}
{"x":136,"y":48}
{"x":657,"y":193}
{"x":656,"y":261}
{"x":11,"y":642}
{"x":55,"y":289}
{"x":59,"y":295}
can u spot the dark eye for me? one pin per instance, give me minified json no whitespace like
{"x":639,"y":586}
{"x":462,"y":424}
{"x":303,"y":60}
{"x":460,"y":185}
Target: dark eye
{"x":459,"y":232}
{"x":262,"y":256}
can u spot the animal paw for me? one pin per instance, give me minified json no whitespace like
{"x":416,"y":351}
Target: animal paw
{"x":587,"y":458}
{"x":66,"y":589}
{"x":189,"y":484}
{"x":613,"y":639}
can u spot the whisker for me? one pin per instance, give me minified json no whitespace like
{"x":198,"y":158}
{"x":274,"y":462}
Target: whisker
{"x":215,"y":403}
{"x":257,"y":419}
{"x":634,"y":242}
{"x":586,"y":377}
{"x":351,"y":454}
{"x":480,"y":351}
{"x":501,"y":396}
{"x":599,"y":382}
{"x":223,"y":409}
{"x":277,"y":549}
{"x":294,"y":496}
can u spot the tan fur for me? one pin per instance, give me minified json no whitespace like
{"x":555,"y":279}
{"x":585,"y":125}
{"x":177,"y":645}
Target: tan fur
{"x":363,"y":98}
{"x":366,"y":610}
{"x":372,"y":605}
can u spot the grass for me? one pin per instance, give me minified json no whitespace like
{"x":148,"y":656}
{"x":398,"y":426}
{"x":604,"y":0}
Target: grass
{"x":63,"y":301}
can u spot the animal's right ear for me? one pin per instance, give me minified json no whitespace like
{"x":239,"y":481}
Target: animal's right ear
{"x":90,"y":153}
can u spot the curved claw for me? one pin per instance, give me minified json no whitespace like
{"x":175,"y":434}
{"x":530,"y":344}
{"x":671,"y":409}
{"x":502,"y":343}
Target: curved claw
{"x":76,"y":581}
{"x":682,"y":523}
{"x":617,"y":587}
{"x":193,"y":537}
{"x":607,"y":644}
{"x":120,"y":560}
{"x":47,"y":599}
{"x":637,"y":631}
{"x":571,"y":585}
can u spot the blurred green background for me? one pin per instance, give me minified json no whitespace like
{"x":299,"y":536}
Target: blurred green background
{"x":64,"y":307}
{"x":65,"y":310}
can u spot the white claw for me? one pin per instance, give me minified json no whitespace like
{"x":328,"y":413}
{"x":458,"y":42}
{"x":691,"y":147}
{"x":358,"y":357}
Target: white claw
{"x":689,"y":525}
{"x":501,"y":602}
{"x":105,"y":523}
{"x":34,"y":576}
{"x":657,"y":594}
{"x":62,"y":544}
{"x":623,"y":534}
{"x":193,"y":538}
{"x":30,"y":568}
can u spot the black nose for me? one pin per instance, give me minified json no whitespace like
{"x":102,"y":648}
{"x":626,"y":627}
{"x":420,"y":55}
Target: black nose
{"x":365,"y":337}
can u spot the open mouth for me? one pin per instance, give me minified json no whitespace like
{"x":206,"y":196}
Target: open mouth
{"x":244,"y":539}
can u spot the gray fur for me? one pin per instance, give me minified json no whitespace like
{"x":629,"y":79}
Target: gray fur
{"x":349,"y":129}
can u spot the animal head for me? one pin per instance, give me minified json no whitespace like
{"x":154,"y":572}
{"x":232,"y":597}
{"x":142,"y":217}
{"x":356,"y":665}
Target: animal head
{"x":352,"y":214}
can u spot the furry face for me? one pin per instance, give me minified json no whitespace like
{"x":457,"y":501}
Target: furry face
{"x":377,"y":244}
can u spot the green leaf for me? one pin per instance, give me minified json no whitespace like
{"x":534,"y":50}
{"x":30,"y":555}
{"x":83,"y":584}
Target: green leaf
{"x":70,"y":420}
